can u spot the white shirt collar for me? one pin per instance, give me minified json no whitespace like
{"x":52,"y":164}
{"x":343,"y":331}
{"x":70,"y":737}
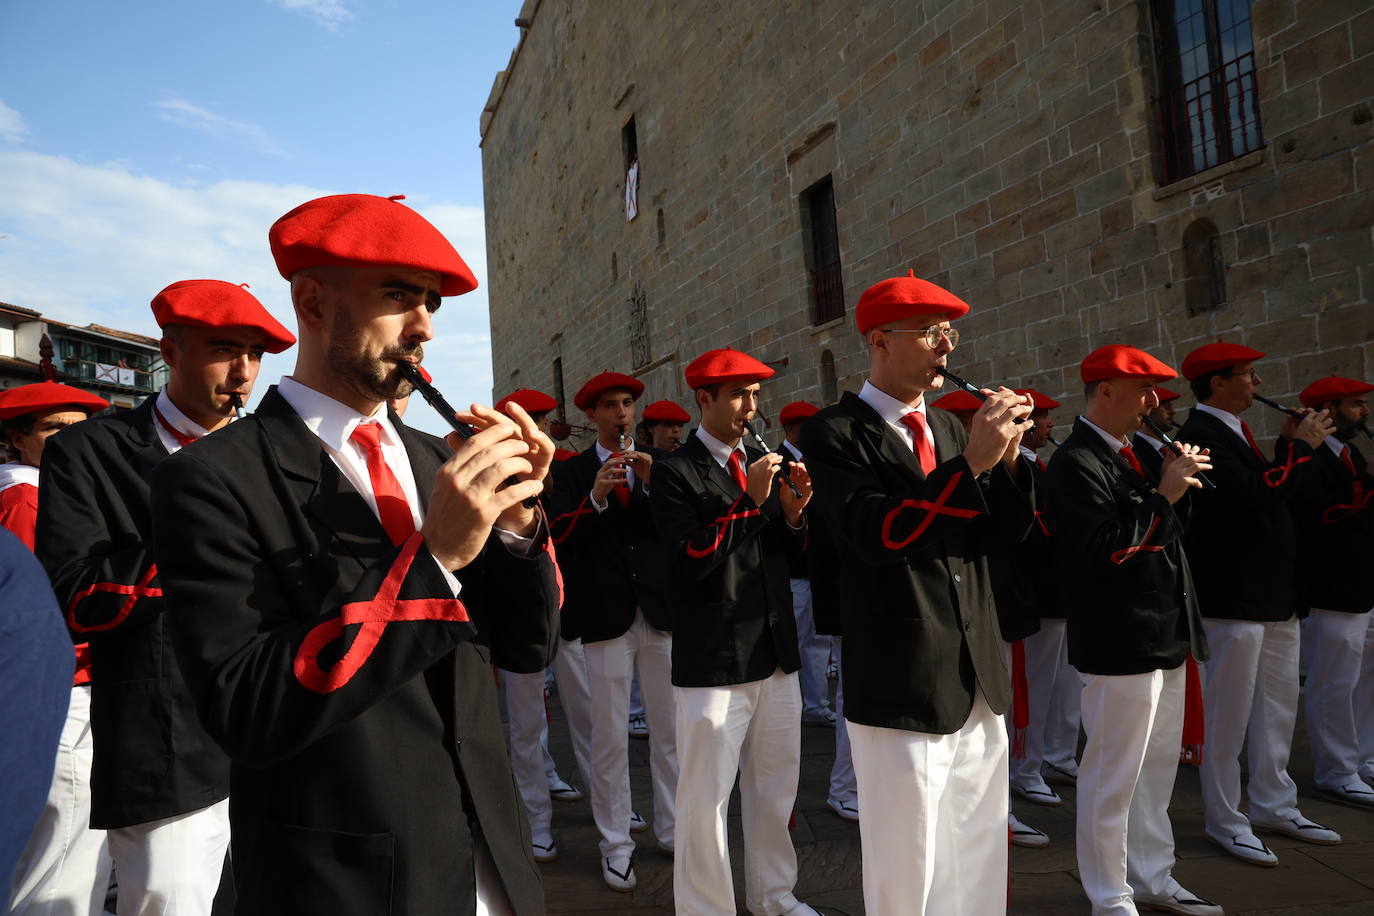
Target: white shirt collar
{"x":1231,"y":420}
{"x":177,"y":419}
{"x":793,"y":449}
{"x":1335,"y":445}
{"x":332,"y":422}
{"x":13,"y":473}
{"x":1116,"y":444}
{"x":719,"y":450}
{"x":1028,"y":454}
{"x":1151,"y":441}
{"x":603,"y":453}
{"x":888,"y":407}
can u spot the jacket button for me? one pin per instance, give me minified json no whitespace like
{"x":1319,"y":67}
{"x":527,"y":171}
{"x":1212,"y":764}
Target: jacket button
{"x":967,"y":627}
{"x":957,"y":579}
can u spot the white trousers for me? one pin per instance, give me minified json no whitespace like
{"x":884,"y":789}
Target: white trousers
{"x":527,"y":723}
{"x":933,"y":817}
{"x":814,"y":651}
{"x":172,"y":866}
{"x":1053,"y":722}
{"x":611,"y":665}
{"x":754,"y":730}
{"x":65,"y":868}
{"x":844,"y":787}
{"x":1250,"y":699}
{"x":1125,"y":781}
{"x":1337,"y":643}
{"x":1364,"y":706}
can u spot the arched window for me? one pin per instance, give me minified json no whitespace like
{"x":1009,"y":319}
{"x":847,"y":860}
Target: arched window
{"x":1204,"y":268}
{"x":830,"y":387}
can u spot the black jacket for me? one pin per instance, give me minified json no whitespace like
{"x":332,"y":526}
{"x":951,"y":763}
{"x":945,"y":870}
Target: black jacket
{"x":1334,"y":514}
{"x":152,"y":757}
{"x":1118,"y":548}
{"x":1240,"y":538}
{"x":920,"y":629}
{"x":351,"y":689}
{"x":612,"y":561}
{"x":732,"y":603}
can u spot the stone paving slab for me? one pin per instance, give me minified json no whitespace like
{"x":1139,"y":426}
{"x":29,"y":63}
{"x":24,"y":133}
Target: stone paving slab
{"x":1309,"y":880}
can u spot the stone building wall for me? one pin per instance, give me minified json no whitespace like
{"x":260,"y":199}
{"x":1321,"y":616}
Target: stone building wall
{"x":1006,"y":149}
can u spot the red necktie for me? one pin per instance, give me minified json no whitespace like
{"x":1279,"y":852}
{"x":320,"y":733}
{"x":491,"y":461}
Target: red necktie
{"x":916,"y":422}
{"x":1348,"y":461}
{"x":392,"y":507}
{"x":1129,"y":454}
{"x":1245,"y":428}
{"x":1040,"y":464}
{"x":621,"y":490}
{"x":184,"y":439}
{"x":736,"y":468}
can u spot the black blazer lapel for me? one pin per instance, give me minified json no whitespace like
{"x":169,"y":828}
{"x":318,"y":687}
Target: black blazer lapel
{"x":710,"y":470}
{"x":424,"y":463}
{"x":883,"y":438}
{"x":317,"y":482}
{"x":146,"y":449}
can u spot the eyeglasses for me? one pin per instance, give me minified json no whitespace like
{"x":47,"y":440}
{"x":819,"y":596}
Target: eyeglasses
{"x":1253,"y":373}
{"x":932,"y":335}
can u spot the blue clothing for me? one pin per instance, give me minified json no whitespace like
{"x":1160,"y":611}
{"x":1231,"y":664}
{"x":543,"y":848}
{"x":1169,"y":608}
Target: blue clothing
{"x":36,"y":666}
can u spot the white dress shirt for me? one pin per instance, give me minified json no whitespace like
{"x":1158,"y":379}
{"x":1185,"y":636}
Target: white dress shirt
{"x":1335,"y":445}
{"x":603,"y":455}
{"x":178,"y":420}
{"x":720,"y":451}
{"x":333,"y":423}
{"x":1115,"y":442}
{"x":1231,"y":420}
{"x":892,"y":411}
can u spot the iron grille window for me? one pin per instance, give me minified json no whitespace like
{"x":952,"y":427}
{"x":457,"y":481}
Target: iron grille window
{"x":1208,"y":104}
{"x":822,"y":238}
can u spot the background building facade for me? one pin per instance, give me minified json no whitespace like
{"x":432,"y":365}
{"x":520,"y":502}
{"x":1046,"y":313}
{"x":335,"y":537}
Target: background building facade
{"x":119,"y":366}
{"x":1155,"y":172}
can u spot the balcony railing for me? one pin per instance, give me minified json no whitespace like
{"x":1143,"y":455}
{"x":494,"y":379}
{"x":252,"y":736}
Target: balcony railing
{"x":1210,"y":120}
{"x":87,"y":371}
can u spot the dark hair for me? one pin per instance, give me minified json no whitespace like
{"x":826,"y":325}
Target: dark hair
{"x":1202,"y":385}
{"x":1090,"y":389}
{"x":17,"y":426}
{"x":712,"y":389}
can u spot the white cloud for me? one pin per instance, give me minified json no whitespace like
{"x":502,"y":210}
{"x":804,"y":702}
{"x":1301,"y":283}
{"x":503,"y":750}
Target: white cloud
{"x":328,"y":13}
{"x":94,"y":243}
{"x":12,"y":126}
{"x":188,"y":114}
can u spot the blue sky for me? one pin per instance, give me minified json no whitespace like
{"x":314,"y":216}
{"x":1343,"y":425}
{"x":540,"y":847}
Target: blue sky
{"x":147,"y":142}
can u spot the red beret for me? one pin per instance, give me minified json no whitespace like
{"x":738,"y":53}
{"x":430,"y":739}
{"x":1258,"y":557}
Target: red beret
{"x":958,"y":402}
{"x":1038,"y":401}
{"x":901,"y":297}
{"x":665,"y":412}
{"x":1164,"y":394}
{"x":1332,"y":388}
{"x":46,"y":397}
{"x":217,"y":304}
{"x":1213,"y":356}
{"x":1121,"y":361}
{"x":360,"y":230}
{"x":586,"y":396}
{"x":718,"y":365}
{"x":796,"y":412}
{"x":533,"y":401}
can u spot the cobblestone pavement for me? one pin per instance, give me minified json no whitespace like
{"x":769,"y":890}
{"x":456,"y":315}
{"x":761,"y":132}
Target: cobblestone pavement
{"x":1309,"y":880}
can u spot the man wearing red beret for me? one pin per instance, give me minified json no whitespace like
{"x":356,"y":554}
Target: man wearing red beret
{"x":1032,"y":624}
{"x":158,"y":782}
{"x":339,"y":586}
{"x":1243,"y":552}
{"x":960,"y":403}
{"x":616,"y":593}
{"x":916,"y":504}
{"x":663,"y":420}
{"x":536,"y":774}
{"x":1149,"y":449}
{"x":66,"y":863}
{"x":730,"y":533}
{"x":1335,"y":536}
{"x":1133,"y":619}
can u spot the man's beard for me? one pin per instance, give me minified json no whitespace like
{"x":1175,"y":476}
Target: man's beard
{"x":368,"y":375}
